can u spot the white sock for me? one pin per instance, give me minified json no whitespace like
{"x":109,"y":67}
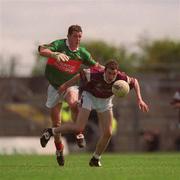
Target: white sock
{"x":96,"y":156}
{"x":53,"y":131}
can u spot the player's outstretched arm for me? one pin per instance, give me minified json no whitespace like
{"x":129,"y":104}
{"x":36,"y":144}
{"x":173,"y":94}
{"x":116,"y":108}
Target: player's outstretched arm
{"x":69,"y":83}
{"x":142,"y":105}
{"x":99,"y":65}
{"x":43,"y":51}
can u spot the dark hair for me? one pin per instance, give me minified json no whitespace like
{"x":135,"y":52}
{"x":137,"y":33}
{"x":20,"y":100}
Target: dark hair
{"x":74,"y":28}
{"x":112,"y":64}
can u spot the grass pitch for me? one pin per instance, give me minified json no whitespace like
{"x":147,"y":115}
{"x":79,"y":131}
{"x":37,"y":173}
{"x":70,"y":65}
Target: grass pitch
{"x":158,"y":166}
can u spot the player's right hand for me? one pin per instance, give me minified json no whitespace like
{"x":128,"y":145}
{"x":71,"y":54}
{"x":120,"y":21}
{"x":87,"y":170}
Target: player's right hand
{"x":60,"y":56}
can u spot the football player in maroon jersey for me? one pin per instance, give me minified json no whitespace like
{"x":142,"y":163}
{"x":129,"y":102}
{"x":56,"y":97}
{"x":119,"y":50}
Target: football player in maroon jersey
{"x":96,"y":94}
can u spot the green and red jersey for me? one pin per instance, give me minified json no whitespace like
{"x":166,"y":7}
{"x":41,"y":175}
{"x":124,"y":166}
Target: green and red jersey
{"x":58,"y":73}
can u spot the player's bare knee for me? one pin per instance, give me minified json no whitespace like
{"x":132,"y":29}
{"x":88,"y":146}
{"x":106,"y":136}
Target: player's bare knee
{"x":71,"y":99}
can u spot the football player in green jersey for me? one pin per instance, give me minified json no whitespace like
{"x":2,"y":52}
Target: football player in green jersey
{"x":65,"y":57}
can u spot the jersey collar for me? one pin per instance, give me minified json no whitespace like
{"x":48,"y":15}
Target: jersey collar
{"x":108,"y":81}
{"x":67,"y":44}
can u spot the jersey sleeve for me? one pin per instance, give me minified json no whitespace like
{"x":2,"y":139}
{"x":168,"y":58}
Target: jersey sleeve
{"x":85,"y":75}
{"x":53,"y":46}
{"x":84,"y":79}
{"x":87,"y":58}
{"x":128,"y":79}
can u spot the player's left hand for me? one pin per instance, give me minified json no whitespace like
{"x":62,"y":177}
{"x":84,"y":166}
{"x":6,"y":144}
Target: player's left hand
{"x":143,"y":106}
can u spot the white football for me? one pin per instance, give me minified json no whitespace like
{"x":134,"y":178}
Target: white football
{"x":120,"y":88}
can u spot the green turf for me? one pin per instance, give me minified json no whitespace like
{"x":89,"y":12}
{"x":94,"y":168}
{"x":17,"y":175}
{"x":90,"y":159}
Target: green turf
{"x":115,"y":167}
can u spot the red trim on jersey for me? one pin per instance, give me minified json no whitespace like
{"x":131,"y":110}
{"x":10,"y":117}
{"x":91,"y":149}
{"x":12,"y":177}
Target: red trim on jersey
{"x":71,"y":66}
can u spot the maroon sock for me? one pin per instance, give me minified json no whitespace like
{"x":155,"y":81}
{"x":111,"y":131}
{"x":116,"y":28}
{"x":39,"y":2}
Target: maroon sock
{"x":59,"y":146}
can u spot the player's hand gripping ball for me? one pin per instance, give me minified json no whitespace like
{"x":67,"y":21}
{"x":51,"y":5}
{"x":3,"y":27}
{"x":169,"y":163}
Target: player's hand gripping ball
{"x":120,"y":88}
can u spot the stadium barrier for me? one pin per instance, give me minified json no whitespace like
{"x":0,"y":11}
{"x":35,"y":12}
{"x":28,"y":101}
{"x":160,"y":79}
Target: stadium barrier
{"x":28,"y":145}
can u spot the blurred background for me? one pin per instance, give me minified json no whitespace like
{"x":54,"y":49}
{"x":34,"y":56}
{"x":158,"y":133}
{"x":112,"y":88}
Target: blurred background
{"x":143,"y":35}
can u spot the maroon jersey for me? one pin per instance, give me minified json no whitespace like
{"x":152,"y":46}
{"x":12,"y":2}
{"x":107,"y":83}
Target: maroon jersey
{"x":92,"y":81}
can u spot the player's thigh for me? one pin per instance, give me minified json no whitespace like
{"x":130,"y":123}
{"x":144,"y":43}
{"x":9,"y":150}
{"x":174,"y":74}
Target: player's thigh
{"x":82,"y":118}
{"x":105,"y":120}
{"x":53,"y":97}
